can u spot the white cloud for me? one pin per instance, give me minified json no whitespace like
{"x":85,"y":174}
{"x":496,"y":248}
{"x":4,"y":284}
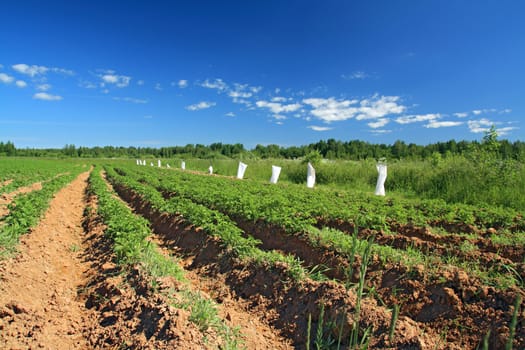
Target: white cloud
{"x":277,"y":108}
{"x":21,"y":83}
{"x":506,"y":110}
{"x":478,"y":126}
{"x":217,"y":84}
{"x":148,"y":117}
{"x":158,"y":87}
{"x":140,"y":82}
{"x":109,"y":77}
{"x":278,"y":99}
{"x":6,"y":79}
{"x":434,"y":124}
{"x":86,"y":84}
{"x":30,"y":70}
{"x":279,"y":116}
{"x":319,"y":128}
{"x":408,"y":119}
{"x":200,"y":105}
{"x":379,"y":123}
{"x":239,"y":94}
{"x":477,"y":111}
{"x":461,"y":114}
{"x":330,"y":110}
{"x":379,"y":107}
{"x":46,"y":97}
{"x":63,"y":71}
{"x":130,"y":99}
{"x":381,"y":131}
{"x":182,"y":83}
{"x":230,"y":114}
{"x":43,"y":87}
{"x":1,"y":66}
{"x":355,"y":75}
{"x":506,"y":130}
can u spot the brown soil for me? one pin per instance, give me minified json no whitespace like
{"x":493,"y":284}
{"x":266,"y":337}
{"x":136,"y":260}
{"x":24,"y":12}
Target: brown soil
{"x":7,"y":198}
{"x":273,"y":295}
{"x":129,"y":313}
{"x":38,"y":295}
{"x":5,"y":182}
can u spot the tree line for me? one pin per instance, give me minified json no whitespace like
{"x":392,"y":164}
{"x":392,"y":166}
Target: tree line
{"x":329,"y":149}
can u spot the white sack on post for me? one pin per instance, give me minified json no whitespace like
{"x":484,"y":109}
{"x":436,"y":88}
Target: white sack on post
{"x":241,"y":169}
{"x":310,"y":176}
{"x":167,"y":166}
{"x":183,"y":165}
{"x":151,"y":163}
{"x":276,"y":170}
{"x":158,"y":163}
{"x":210,"y":170}
{"x":380,"y":186}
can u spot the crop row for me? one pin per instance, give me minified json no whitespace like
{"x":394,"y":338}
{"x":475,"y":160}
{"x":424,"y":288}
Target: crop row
{"x":242,"y":202}
{"x":327,"y":204}
{"x":22,"y":172}
{"x":130,"y":235}
{"x":26,"y":210}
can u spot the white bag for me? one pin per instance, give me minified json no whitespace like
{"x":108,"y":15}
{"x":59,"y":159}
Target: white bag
{"x":167,"y":166}
{"x":380,"y":186}
{"x":210,"y":170}
{"x":151,"y":163}
{"x":310,"y":176}
{"x":241,"y":169}
{"x":183,"y":165}
{"x":158,"y":162}
{"x":276,"y":171}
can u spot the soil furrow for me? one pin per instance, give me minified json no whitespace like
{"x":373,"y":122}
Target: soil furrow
{"x":39,"y":304}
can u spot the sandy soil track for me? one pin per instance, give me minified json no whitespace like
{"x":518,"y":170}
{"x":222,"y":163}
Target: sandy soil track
{"x":39,"y":307}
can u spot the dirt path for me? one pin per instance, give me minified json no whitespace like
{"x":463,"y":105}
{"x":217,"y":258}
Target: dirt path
{"x":39,"y":307}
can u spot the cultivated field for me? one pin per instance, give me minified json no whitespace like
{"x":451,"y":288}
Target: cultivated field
{"x":110,"y":254}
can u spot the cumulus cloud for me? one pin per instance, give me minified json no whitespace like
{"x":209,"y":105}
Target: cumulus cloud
{"x":6,"y":79}
{"x":277,"y":108}
{"x":182,"y":83}
{"x":379,"y":123}
{"x":46,"y":97}
{"x":408,"y":119}
{"x":32,"y":70}
{"x":461,"y":114}
{"x":330,"y":109}
{"x":43,"y":87}
{"x":379,"y":107}
{"x":355,"y":75}
{"x":478,"y":126}
{"x":434,"y":124}
{"x":21,"y":83}
{"x":158,"y":87}
{"x":506,"y":130}
{"x":319,"y":128}
{"x":120,"y":81}
{"x":130,"y":99}
{"x":140,"y":82}
{"x":278,"y":99}
{"x":230,"y":114}
{"x":381,"y":131}
{"x":217,"y":84}
{"x":200,"y":105}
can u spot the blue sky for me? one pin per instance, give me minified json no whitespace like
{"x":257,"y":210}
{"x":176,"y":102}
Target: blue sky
{"x":158,"y":73}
